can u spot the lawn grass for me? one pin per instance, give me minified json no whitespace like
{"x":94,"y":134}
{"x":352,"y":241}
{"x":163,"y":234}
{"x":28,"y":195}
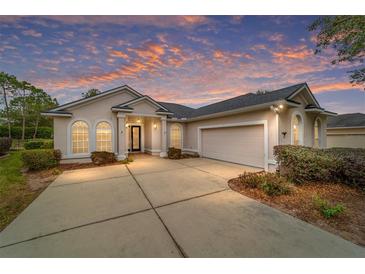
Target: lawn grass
{"x":10,"y":172}
{"x":15,"y":191}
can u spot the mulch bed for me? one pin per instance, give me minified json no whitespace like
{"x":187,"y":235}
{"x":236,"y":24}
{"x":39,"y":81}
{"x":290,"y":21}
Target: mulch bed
{"x":73,"y":166}
{"x":349,"y":225}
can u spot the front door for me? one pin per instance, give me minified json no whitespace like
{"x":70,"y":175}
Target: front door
{"x":136,"y":138}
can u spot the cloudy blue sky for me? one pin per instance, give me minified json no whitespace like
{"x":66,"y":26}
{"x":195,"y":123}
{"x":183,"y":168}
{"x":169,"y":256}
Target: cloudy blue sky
{"x":192,"y":60}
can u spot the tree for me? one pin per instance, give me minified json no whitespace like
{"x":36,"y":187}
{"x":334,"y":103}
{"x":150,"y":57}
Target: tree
{"x":345,"y":34}
{"x":91,"y":92}
{"x":38,"y":101}
{"x":8,"y":85}
{"x":19,"y":102}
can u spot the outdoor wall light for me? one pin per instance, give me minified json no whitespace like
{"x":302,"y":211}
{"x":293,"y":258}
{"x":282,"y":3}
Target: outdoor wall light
{"x":281,"y":106}
{"x":284,"y":133}
{"x":126,"y":125}
{"x":154,"y":126}
{"x":138,"y":121}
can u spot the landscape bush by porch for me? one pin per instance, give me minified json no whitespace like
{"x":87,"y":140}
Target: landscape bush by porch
{"x":5,"y":144}
{"x":174,"y":153}
{"x":301,"y":164}
{"x":37,"y":144}
{"x":38,"y":159}
{"x":102,"y":157}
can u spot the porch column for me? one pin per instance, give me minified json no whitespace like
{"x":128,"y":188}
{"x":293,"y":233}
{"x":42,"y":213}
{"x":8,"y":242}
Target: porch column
{"x":121,"y":136}
{"x":163,"y":137}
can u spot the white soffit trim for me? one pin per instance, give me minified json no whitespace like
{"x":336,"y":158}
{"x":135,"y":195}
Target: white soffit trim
{"x":249,"y":123}
{"x":360,"y":127}
{"x":55,"y":114}
{"x":234,"y":111}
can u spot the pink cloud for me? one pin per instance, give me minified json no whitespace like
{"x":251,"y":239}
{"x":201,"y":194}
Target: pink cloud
{"x":120,"y":54}
{"x":32,"y":33}
{"x":337,"y":86}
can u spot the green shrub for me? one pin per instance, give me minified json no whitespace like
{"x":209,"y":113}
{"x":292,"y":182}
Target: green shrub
{"x":16,"y":132}
{"x":174,"y":153}
{"x":300,"y":164}
{"x":351,"y":165}
{"x":33,"y":145}
{"x":270,"y":183}
{"x":37,"y":144}
{"x":326,"y":209}
{"x":5,"y":144}
{"x":38,"y":159}
{"x":275,"y":188}
{"x":102,"y":157}
{"x":251,"y":180}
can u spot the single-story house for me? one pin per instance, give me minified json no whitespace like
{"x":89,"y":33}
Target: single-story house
{"x":243,"y":129}
{"x":346,"y":130}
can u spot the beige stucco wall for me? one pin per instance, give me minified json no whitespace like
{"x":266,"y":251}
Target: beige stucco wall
{"x":153,"y":135}
{"x":347,"y":137}
{"x":144,"y":107}
{"x":92,"y":113}
{"x":191,"y":128}
{"x":285,"y":124}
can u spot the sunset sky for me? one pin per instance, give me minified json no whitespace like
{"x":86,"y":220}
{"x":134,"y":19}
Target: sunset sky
{"x":192,"y":60}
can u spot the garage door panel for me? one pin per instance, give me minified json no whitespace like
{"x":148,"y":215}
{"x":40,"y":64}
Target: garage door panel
{"x":243,"y":145}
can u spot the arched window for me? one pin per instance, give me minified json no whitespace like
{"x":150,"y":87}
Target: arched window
{"x":297,"y":130}
{"x":317,"y":134}
{"x":80,"y":137}
{"x":175,"y":136}
{"x":103,"y":137}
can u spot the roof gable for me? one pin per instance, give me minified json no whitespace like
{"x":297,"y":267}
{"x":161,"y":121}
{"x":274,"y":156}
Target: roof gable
{"x":305,"y":93}
{"x":83,"y":101}
{"x":139,"y":100}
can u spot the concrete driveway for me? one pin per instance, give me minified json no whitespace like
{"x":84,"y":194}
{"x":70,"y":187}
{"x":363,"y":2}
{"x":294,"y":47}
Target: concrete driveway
{"x":160,"y":208}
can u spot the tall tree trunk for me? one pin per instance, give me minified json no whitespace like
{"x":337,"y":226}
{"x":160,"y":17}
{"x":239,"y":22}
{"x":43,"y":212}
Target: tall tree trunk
{"x":23,"y":116}
{"x":7,"y":111}
{"x":23,"y":127}
{"x":36,"y":128}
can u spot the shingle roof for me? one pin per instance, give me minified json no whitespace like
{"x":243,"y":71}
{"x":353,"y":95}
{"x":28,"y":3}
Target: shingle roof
{"x":241,"y":101}
{"x":179,"y":111}
{"x":347,"y":120}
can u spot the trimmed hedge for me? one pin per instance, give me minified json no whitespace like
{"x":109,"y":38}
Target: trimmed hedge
{"x":16,"y":132}
{"x":301,"y":164}
{"x":38,"y":159}
{"x":5,"y":144}
{"x":102,"y":157}
{"x":38,"y":144}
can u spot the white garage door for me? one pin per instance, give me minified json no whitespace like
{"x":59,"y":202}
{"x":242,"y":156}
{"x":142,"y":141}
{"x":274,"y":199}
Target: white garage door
{"x":242,"y":145}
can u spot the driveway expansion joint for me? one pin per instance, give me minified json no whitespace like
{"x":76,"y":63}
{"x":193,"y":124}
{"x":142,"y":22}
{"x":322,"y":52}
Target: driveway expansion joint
{"x":179,"y":248}
{"x":76,"y":227}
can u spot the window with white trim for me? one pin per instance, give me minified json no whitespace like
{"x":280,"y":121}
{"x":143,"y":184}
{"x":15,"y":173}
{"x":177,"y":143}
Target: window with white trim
{"x":317,"y":128}
{"x":104,"y":137}
{"x":80,"y":137}
{"x":175,"y":136}
{"x":297,"y":130}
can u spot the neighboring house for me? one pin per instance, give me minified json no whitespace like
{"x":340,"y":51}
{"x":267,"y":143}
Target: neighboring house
{"x":346,"y":130}
{"x":243,"y":129}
